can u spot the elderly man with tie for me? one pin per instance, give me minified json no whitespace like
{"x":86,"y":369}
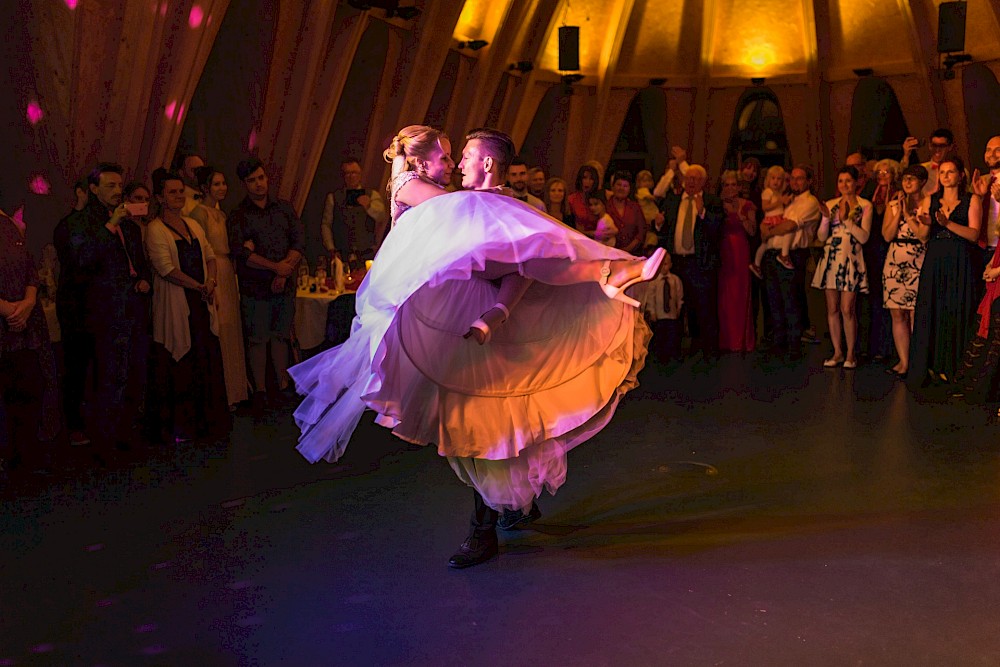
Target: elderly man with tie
{"x":690,"y":231}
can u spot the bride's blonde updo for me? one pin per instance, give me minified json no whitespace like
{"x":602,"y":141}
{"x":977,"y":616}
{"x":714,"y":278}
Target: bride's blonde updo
{"x":411,"y":143}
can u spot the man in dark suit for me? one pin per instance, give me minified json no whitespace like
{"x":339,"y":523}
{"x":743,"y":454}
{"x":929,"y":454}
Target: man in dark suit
{"x":690,"y":232}
{"x":112,"y":281}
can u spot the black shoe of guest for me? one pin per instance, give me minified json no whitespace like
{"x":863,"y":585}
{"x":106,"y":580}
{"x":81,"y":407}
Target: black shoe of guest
{"x":514,"y":519}
{"x":475,"y":550}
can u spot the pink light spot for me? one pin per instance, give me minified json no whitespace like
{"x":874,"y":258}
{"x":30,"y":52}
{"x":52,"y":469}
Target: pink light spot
{"x":43,"y":648}
{"x":169,"y":110}
{"x":35,"y":113}
{"x":180,"y":113}
{"x":163,"y":9}
{"x":106,"y":602}
{"x":94,"y":547}
{"x":72,"y":4}
{"x":39,"y":185}
{"x":196,"y":16}
{"x":252,"y":140}
{"x":7,"y":662}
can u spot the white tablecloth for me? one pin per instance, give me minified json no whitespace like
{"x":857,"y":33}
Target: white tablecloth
{"x":310,"y":317}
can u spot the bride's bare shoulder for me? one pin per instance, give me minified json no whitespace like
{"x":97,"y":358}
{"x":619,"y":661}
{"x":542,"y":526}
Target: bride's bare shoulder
{"x":413,"y":189}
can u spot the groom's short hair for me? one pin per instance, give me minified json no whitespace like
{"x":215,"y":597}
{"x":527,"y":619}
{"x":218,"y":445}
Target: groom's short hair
{"x":498,"y":145}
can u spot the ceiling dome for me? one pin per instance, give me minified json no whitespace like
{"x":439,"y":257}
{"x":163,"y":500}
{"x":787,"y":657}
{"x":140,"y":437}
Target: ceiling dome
{"x":629,"y":42}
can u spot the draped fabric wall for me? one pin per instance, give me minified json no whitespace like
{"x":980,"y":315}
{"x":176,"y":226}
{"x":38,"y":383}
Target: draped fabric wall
{"x":101,"y":80}
{"x":115,"y":79}
{"x":116,"y":83}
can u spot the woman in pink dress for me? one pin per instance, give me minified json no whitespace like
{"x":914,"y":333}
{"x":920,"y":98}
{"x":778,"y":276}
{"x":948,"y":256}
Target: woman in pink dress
{"x":736,"y":325}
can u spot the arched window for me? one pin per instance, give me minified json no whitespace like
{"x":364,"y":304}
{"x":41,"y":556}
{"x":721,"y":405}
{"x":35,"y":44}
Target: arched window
{"x":878,"y":127}
{"x":545,"y":143}
{"x":642,"y":141}
{"x":981,"y":94}
{"x":437,"y":109}
{"x":758,"y":131}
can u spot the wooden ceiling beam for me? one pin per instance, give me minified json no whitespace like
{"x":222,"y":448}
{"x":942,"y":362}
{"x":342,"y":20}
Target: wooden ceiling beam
{"x":608,"y":65}
{"x":526,"y":98}
{"x":917,"y":15}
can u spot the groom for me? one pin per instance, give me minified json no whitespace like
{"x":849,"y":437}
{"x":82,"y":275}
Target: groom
{"x":485,"y":159}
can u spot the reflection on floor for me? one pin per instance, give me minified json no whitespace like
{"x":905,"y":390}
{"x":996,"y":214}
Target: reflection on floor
{"x":736,"y":512}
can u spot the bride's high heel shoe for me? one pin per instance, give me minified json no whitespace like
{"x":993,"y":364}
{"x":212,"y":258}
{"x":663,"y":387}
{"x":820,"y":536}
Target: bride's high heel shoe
{"x":649,"y":269}
{"x":481,"y":331}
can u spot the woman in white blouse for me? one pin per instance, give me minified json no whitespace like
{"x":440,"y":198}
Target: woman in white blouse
{"x":187,"y":376}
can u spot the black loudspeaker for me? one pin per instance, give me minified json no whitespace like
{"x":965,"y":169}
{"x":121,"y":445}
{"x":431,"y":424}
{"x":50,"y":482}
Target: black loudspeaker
{"x":569,"y":48}
{"x":951,"y":27}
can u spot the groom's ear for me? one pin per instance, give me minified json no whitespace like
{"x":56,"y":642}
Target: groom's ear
{"x":488,"y":164}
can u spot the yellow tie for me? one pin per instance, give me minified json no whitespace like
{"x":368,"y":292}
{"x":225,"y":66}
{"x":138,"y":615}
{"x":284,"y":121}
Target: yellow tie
{"x":687,"y":231}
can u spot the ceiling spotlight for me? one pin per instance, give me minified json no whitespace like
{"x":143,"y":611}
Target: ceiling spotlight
{"x":951,"y":60}
{"x":405,"y":13}
{"x":867,"y":71}
{"x":758,"y":80}
{"x":474,"y":44}
{"x":522,"y":66}
{"x":570,"y":79}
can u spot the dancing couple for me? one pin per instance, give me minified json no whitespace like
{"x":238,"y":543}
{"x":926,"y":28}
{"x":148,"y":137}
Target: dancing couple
{"x":484,"y":327}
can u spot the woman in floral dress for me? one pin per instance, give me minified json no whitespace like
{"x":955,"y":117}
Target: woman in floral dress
{"x":841,"y":270}
{"x":901,"y":273}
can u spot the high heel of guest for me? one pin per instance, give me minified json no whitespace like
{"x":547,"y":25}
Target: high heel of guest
{"x":480,"y":330}
{"x":649,"y":269}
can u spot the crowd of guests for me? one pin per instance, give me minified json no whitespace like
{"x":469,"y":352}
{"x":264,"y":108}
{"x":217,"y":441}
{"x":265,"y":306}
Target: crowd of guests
{"x":170,"y":309}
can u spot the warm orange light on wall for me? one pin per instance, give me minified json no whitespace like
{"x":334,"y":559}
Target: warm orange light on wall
{"x":480,"y":19}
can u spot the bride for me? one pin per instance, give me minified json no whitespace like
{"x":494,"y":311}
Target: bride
{"x":559,"y":341}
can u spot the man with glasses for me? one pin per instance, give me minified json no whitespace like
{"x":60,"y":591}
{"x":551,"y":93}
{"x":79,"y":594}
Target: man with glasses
{"x":941,"y":144}
{"x":354,"y":217}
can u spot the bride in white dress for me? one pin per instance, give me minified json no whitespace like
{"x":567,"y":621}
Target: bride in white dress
{"x":543,"y":379}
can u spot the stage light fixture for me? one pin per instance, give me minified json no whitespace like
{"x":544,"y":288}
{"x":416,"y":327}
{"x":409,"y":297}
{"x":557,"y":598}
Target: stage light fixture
{"x":473,"y":44}
{"x":405,"y":13}
{"x":522,"y":66}
{"x":758,"y":80}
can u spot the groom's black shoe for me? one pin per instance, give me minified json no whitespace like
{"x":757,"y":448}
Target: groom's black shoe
{"x":515,"y":519}
{"x":475,"y":550}
{"x":481,"y":544}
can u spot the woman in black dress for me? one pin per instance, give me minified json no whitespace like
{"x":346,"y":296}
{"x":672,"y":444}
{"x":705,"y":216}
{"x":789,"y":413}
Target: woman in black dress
{"x":187,"y":392}
{"x":949,"y":222}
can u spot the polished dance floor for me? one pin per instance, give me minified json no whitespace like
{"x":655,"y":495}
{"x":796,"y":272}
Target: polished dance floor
{"x":738,"y":512}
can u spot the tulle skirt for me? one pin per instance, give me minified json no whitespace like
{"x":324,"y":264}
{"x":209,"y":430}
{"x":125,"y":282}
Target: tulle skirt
{"x":504,"y":413}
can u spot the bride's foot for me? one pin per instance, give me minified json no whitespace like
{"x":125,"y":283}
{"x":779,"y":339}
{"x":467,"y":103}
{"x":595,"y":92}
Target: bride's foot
{"x":483,"y":328}
{"x":620,"y":274}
